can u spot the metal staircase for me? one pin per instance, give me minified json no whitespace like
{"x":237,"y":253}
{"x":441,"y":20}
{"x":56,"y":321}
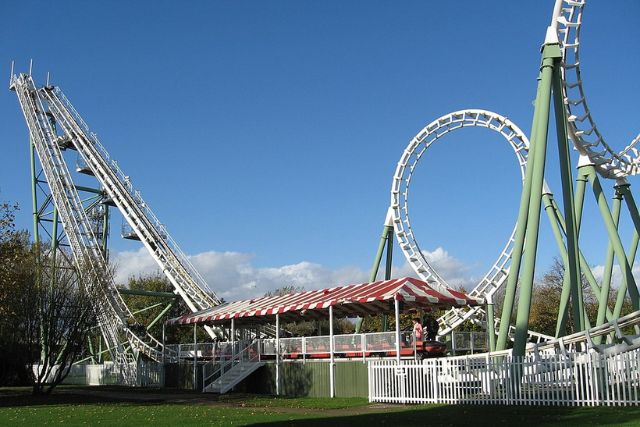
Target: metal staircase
{"x":230,"y":372}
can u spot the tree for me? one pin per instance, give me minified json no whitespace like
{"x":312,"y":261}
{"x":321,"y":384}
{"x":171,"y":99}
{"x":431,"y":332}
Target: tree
{"x":147,"y":311}
{"x":45,"y":314}
{"x":16,"y":270}
{"x":65,"y":314}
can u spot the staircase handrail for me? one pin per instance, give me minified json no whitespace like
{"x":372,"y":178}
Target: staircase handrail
{"x":244,"y":355}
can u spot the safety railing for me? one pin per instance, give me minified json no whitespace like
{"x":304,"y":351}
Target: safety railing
{"x":350,"y":345}
{"x":587,"y":379}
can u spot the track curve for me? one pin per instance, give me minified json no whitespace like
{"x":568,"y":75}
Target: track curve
{"x":586,"y":137}
{"x":400,"y":201}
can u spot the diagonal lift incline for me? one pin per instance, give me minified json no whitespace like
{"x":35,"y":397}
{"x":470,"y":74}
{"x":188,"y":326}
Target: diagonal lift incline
{"x":48,"y":113}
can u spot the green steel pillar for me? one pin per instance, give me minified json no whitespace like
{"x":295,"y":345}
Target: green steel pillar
{"x":581,"y":184}
{"x":553,"y":214}
{"x":584,"y":266}
{"x":551,"y":57}
{"x":627,"y":276}
{"x":105,"y":232}
{"x":571,"y":228}
{"x":162,"y":313}
{"x":521,"y":227}
{"x":603,"y":296}
{"x":34,"y":193}
{"x":386,"y":240}
{"x":633,"y":211}
{"x":389,"y":260}
{"x":491,"y":331}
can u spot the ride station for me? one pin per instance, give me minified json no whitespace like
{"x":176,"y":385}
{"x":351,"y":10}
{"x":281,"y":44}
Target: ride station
{"x":233,"y":361}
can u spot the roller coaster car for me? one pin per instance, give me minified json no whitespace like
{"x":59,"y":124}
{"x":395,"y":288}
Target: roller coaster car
{"x":428,"y":349}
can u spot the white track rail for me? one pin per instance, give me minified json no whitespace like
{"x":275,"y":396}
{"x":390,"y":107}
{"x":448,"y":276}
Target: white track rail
{"x":587,"y":138}
{"x":153,"y":234}
{"x":81,"y":238}
{"x":405,"y":235}
{"x":36,"y":104}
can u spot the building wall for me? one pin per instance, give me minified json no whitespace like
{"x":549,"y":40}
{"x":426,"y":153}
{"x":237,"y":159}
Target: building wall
{"x":309,"y":379}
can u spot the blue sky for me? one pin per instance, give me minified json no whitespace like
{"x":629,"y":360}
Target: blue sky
{"x":265,"y":134}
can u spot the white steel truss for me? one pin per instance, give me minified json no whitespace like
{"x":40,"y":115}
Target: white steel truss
{"x":47,"y":105}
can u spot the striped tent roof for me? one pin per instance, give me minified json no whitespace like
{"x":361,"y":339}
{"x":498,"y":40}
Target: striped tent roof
{"x":347,"y":301}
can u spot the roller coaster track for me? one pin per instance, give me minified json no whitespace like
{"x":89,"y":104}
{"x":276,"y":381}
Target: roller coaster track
{"x":566,"y":22}
{"x":587,"y":138}
{"x":39,"y":106}
{"x":405,"y":169}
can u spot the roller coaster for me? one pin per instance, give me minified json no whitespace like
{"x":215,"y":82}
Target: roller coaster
{"x":56,"y":128}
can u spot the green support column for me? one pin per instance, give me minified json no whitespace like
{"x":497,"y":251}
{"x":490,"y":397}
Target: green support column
{"x":603,"y":296}
{"x":581,"y":185}
{"x":573,"y":270}
{"x":389,"y":260}
{"x":633,"y":211}
{"x":584,"y":265}
{"x":551,"y":57}
{"x":491,"y":323}
{"x":386,"y":241}
{"x":549,"y":207}
{"x":557,"y":226}
{"x":518,"y":246}
{"x":627,"y":276}
{"x":105,"y":232}
{"x":34,"y":193}
{"x":162,"y":313}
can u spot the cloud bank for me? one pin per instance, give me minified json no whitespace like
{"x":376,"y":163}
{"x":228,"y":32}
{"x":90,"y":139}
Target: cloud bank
{"x":232,"y":276}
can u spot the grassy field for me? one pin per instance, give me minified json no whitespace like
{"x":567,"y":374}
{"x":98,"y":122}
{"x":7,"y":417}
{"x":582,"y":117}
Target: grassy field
{"x":114,"y":406}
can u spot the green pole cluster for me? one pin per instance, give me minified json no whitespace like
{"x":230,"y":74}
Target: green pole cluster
{"x":571,"y":227}
{"x":551,"y":55}
{"x":386,"y":241}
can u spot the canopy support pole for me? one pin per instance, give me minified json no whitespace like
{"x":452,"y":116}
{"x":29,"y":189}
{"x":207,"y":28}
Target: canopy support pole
{"x":332,"y":391}
{"x":396,"y":304}
{"x":233,"y":338}
{"x":278,"y":354}
{"x":195,"y":356}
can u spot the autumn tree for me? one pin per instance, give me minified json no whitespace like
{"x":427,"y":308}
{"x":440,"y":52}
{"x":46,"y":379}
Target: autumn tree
{"x":45,"y":314}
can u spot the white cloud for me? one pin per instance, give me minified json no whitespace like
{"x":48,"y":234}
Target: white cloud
{"x":451,"y":269}
{"x":616,"y":276}
{"x":232,"y":276}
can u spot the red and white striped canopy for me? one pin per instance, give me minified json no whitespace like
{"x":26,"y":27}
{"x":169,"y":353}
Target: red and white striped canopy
{"x":347,"y":301}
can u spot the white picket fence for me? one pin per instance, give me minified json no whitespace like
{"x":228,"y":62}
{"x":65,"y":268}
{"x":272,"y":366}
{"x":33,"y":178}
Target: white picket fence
{"x":575,"y":379}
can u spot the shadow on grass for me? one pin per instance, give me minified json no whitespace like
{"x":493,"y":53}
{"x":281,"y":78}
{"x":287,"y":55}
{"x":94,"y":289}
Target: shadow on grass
{"x":465,"y":415}
{"x":102,"y":395}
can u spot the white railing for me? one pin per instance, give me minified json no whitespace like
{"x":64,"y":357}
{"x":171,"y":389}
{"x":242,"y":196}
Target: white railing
{"x":585,"y":379}
{"x":473,"y":342}
{"x":348,"y":344}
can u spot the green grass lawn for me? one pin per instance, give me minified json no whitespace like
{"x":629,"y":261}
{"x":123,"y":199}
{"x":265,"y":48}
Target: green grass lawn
{"x":106,"y":407}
